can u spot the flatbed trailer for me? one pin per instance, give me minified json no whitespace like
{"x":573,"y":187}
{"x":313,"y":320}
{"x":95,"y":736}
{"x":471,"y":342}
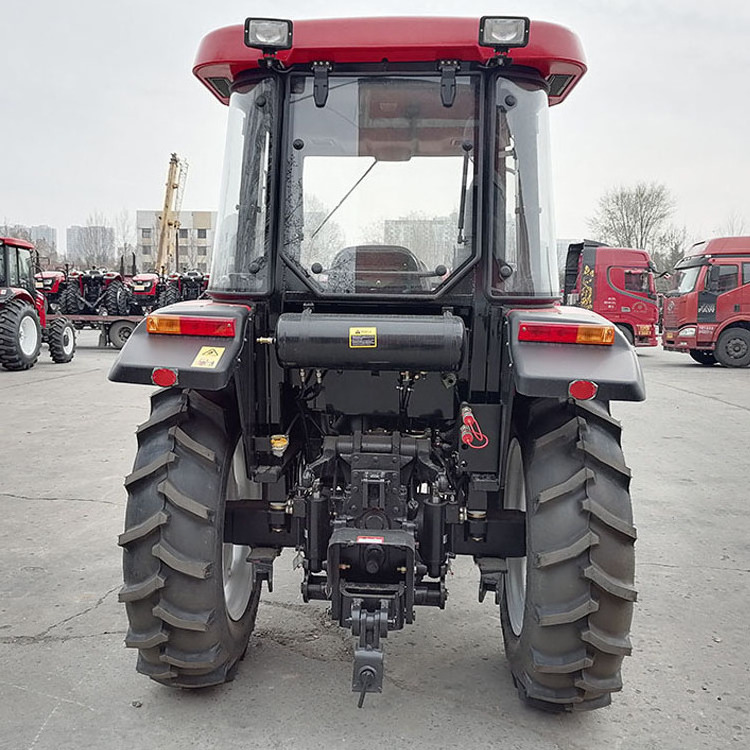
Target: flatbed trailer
{"x":113,"y":329}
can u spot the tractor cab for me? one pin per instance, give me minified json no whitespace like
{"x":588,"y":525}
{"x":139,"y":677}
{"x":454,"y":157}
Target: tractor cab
{"x":381,"y":377}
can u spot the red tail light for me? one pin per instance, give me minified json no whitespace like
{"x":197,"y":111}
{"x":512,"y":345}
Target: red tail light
{"x":163,"y":376}
{"x":582,"y":390}
{"x":567,"y":333}
{"x":191,"y":326}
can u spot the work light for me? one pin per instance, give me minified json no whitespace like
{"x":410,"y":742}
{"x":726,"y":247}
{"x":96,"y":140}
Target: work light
{"x":503,"y":33}
{"x":268,"y":34}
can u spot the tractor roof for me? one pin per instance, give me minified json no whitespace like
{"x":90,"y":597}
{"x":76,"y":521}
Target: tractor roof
{"x":16,"y":242}
{"x":552,"y":50}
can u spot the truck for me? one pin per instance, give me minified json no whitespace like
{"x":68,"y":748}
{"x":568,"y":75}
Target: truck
{"x":707,"y":314}
{"x":381,"y":378}
{"x":616,"y":282}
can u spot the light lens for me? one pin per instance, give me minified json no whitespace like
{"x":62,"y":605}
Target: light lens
{"x":504,"y":32}
{"x":163,"y":377}
{"x":567,"y":333}
{"x":268,"y":33}
{"x":582,"y":390}
{"x":190,"y":326}
{"x":689,"y":331}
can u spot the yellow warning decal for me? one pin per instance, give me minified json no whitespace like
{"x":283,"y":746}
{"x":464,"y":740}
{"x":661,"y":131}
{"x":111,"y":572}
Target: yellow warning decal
{"x":363,"y":338}
{"x":208,"y":357}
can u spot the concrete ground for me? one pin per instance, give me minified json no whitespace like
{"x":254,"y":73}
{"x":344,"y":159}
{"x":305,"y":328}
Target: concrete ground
{"x":68,"y":682}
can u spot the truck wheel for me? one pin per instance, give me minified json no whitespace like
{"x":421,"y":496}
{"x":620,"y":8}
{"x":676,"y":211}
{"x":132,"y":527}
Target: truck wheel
{"x":191,"y":600}
{"x":116,"y":300}
{"x":567,"y":606}
{"x":733,"y":348}
{"x":119,"y":333}
{"x":20,"y":335}
{"x":702,"y":357}
{"x":627,"y":332}
{"x":69,"y":301}
{"x":61,"y":339}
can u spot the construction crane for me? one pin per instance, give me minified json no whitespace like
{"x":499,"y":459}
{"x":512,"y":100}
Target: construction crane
{"x":169,"y":219}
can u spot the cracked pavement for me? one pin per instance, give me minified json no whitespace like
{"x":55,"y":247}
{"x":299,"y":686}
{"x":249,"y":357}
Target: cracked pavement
{"x":68,"y":682}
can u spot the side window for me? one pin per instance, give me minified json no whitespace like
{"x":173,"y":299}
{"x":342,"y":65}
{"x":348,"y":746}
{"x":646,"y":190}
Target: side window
{"x":636,"y":281}
{"x":25,"y":274}
{"x":728,"y":276}
{"x":746,"y":273}
{"x":13,"y":267}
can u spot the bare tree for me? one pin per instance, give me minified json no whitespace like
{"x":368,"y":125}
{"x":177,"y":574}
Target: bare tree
{"x":733,"y":226}
{"x":632,"y":217}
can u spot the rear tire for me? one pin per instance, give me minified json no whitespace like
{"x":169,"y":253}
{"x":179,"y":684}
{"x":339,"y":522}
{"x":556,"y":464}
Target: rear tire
{"x":61,"y":339}
{"x":119,"y":333}
{"x":189,"y":619}
{"x":567,"y":606}
{"x":169,"y":296}
{"x":20,"y":335}
{"x":733,"y":348}
{"x":70,"y":301}
{"x":702,"y":357}
{"x":117,"y":299}
{"x":627,"y":332}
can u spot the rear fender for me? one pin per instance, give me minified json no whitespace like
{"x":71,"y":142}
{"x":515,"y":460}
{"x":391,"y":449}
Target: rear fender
{"x":200,"y":362}
{"x":546,"y":370}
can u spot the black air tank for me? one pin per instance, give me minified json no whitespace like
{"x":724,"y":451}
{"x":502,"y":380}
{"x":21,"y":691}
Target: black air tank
{"x":370,"y":342}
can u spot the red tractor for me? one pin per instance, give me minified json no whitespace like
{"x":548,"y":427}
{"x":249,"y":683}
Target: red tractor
{"x":24,"y":324}
{"x":146,"y":292}
{"x":185,"y":285}
{"x":95,"y":291}
{"x":51,"y":284}
{"x":382,"y":377}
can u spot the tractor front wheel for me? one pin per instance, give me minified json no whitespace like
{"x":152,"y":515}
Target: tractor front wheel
{"x":191,"y":599}
{"x":61,"y":339}
{"x":20,"y":335}
{"x":567,"y":605}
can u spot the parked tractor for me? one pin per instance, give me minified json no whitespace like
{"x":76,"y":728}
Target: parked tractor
{"x":707,"y":314}
{"x":51,"y":284}
{"x":24,"y":324}
{"x":95,"y":291}
{"x":185,"y":285}
{"x":616,"y":282}
{"x":382,"y":378}
{"x":146,"y":292}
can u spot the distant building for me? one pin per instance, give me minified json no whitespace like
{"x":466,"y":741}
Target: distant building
{"x":194,"y":243}
{"x":43,"y":234}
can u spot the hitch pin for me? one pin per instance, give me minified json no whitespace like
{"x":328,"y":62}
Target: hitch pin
{"x":366,"y":675}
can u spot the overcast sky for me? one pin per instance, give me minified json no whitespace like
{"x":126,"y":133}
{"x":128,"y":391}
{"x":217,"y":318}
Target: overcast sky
{"x":96,"y":94}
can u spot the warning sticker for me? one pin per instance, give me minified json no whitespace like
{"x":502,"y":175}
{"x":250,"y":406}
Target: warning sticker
{"x":208,"y":357}
{"x":370,"y":540}
{"x":363,"y":338}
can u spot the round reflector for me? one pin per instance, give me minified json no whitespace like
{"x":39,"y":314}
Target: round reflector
{"x":164,"y":377}
{"x":582,"y":390}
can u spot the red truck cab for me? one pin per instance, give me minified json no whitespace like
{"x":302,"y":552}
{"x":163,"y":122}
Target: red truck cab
{"x":617,"y":283}
{"x":707,"y":315}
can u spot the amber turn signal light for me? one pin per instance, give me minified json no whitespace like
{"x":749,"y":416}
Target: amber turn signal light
{"x":190,"y":326}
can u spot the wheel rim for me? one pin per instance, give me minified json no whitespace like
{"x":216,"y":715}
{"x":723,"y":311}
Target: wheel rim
{"x":515,"y":579}
{"x":68,"y":340}
{"x":736,"y":348}
{"x":238,"y":573}
{"x":28,"y":336}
